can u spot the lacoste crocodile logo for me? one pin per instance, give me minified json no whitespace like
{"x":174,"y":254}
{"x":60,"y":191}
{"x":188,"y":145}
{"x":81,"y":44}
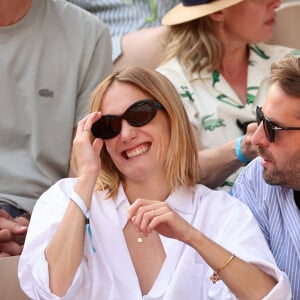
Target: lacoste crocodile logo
{"x":46,"y":93}
{"x":186,"y":93}
{"x":250,"y":97}
{"x":215,"y":77}
{"x":212,"y":124}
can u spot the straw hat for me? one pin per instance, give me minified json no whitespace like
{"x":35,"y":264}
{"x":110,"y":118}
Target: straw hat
{"x":190,"y":10}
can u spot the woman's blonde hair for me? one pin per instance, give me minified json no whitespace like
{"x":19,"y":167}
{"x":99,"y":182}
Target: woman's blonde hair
{"x":182,"y":158}
{"x":195,"y":44}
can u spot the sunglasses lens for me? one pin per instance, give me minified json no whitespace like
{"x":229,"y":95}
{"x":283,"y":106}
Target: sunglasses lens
{"x":259,"y":115}
{"x":107,"y":127}
{"x":269,"y":130}
{"x":140,"y":114}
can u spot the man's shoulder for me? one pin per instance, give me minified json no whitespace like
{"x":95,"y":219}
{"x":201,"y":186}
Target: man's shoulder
{"x":71,"y":24}
{"x":251,"y":186}
{"x":251,"y":180}
{"x":73,"y":15}
{"x":254,"y":168}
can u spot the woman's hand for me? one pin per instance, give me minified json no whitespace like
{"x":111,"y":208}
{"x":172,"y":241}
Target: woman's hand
{"x":86,"y":157}
{"x":86,"y":153}
{"x":149,"y":215}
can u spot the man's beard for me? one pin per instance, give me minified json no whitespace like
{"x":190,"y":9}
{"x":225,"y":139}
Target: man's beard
{"x":288,"y":175}
{"x":275,"y":177}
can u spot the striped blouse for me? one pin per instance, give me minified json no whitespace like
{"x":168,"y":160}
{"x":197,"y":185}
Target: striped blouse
{"x":278,"y":216}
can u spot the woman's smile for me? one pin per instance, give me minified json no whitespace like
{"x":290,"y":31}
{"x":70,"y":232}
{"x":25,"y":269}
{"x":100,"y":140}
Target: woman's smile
{"x":136,"y":151}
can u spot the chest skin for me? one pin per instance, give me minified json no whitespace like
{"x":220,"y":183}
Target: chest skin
{"x":147,"y":257}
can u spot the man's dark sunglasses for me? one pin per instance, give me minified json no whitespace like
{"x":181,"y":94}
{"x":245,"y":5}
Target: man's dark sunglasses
{"x":138,"y":114}
{"x":269,"y":126}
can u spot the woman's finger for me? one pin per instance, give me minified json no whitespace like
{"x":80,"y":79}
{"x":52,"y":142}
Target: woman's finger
{"x":141,"y":206}
{"x":92,"y":118}
{"x":149,"y":216}
{"x":85,"y":124}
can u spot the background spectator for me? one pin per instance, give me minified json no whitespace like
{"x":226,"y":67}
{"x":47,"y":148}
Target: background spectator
{"x":53,"y":54}
{"x":220,"y":72}
{"x":270,"y":185}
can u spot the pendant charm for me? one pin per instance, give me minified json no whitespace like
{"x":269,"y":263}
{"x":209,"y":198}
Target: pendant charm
{"x":140,"y":238}
{"x":215,"y":278}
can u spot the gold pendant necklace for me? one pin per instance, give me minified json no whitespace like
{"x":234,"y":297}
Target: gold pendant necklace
{"x":140,"y":238}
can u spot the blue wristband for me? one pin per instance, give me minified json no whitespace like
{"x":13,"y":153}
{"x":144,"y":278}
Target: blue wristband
{"x":238,"y":151}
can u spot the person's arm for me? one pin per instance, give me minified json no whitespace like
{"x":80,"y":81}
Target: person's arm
{"x":218,"y":163}
{"x":65,"y":251}
{"x":143,"y":47}
{"x":244,"y":279}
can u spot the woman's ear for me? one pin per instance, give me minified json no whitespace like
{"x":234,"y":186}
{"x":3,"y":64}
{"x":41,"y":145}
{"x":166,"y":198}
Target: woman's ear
{"x":217,"y":16}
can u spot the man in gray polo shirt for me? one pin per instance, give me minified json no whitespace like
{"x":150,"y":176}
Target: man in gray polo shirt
{"x":53,"y":54}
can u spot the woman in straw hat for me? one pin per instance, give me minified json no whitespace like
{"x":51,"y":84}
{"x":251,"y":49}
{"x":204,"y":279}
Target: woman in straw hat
{"x":220,"y":72}
{"x":134,"y":224}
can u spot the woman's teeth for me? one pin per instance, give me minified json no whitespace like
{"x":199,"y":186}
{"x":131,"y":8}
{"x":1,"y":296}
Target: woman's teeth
{"x":137,"y":151}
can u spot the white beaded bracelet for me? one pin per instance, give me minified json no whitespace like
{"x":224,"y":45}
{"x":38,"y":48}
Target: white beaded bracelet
{"x":80,"y":203}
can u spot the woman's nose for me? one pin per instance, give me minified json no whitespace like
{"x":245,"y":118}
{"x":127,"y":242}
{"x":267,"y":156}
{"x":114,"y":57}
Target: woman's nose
{"x":128,"y":132}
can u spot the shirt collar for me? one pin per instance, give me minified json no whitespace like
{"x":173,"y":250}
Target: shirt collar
{"x":257,"y":58}
{"x":181,"y":199}
{"x":120,"y":199}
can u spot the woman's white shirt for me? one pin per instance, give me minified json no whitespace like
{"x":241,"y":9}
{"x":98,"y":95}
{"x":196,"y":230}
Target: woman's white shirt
{"x":106,"y":271}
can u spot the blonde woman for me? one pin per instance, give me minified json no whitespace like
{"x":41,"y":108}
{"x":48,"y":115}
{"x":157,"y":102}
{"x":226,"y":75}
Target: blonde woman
{"x":134,"y":224}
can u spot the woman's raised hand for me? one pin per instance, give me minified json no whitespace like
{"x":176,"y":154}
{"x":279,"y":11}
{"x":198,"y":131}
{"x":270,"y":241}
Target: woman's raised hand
{"x":85,"y":152}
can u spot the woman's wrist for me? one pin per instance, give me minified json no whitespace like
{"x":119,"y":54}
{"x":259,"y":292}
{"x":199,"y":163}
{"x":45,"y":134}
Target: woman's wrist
{"x":84,"y":188}
{"x":194,"y":238}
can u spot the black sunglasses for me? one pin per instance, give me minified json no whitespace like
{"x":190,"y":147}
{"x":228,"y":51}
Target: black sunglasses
{"x":138,"y":114}
{"x":269,"y":126}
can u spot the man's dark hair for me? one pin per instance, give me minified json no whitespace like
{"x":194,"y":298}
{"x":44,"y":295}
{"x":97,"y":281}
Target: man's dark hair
{"x":286,"y":73}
